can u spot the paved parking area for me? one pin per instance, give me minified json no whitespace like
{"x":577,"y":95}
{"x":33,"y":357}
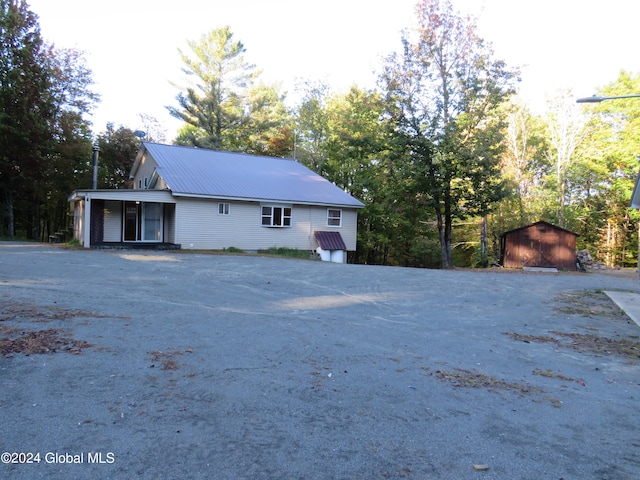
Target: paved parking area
{"x":182,"y":365}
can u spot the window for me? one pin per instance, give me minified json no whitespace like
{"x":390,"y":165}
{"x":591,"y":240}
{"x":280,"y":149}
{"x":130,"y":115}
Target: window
{"x":152,"y":221}
{"x":276,"y":216}
{"x":334,"y":217}
{"x":223,"y":209}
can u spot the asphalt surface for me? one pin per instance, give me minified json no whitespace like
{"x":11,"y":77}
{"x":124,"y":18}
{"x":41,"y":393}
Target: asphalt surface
{"x":182,"y":365}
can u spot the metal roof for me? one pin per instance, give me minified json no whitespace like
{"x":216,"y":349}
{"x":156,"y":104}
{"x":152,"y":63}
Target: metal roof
{"x":199,"y":172}
{"x":330,"y":240}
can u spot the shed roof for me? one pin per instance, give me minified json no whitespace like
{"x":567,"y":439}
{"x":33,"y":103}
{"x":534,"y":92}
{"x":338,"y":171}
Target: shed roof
{"x":330,"y":240}
{"x":199,"y":172}
{"x":541,"y":222}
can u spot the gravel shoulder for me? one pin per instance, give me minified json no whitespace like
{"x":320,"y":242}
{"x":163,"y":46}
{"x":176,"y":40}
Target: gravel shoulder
{"x":117,"y":364}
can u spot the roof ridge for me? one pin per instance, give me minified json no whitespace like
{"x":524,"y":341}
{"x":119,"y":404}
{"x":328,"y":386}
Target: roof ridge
{"x":225,"y":152}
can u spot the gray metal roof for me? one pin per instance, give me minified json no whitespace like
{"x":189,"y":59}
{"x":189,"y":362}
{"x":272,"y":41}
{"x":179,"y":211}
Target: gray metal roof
{"x":199,"y":172}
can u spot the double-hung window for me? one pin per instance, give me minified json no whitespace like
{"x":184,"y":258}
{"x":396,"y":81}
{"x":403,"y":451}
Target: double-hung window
{"x":334,"y":217}
{"x":273,"y":216}
{"x":223,"y":209}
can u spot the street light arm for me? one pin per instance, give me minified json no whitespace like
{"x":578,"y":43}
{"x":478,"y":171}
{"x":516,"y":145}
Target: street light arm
{"x":598,"y":99}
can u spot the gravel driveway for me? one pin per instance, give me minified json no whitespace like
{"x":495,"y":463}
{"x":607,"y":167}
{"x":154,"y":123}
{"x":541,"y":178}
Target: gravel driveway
{"x":125,"y":364}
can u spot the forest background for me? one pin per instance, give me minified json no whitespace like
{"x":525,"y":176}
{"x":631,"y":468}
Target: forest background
{"x":443,"y":153}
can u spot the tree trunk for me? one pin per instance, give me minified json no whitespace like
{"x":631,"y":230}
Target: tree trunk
{"x":10,"y":225}
{"x":444,"y":233}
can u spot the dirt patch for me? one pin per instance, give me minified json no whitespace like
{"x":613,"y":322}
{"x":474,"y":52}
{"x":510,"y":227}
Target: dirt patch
{"x":557,"y":376}
{"x":601,"y":345}
{"x":29,"y":311}
{"x":166,"y":360}
{"x":41,"y":341}
{"x":588,"y":303}
{"x":473,"y":379}
{"x":584,"y":343}
{"x":16,"y":339}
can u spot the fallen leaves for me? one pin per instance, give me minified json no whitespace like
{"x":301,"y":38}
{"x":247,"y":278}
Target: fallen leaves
{"x":473,"y":379}
{"x":166,"y":359}
{"x":17,"y":339}
{"x":42,"y":341}
{"x":584,"y":343}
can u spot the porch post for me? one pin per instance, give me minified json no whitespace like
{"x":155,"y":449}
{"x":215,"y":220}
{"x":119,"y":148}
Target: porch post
{"x":86,"y":223}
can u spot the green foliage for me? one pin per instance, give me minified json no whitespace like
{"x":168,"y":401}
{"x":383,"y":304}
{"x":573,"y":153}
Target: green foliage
{"x":44,"y":93}
{"x":577,"y":171}
{"x":443,"y":92}
{"x":430,"y":153}
{"x":118,"y":150}
{"x":222,"y":106}
{"x":286,"y":252}
{"x":212,"y":102}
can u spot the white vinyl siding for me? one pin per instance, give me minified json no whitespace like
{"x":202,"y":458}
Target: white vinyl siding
{"x":144,"y":172}
{"x":198,"y":226}
{"x":112,"y":221}
{"x":169,"y":223}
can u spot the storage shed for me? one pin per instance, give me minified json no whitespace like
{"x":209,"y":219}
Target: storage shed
{"x":540,"y":244}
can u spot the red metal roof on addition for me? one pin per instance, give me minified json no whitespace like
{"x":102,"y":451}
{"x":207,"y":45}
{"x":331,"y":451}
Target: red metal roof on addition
{"x":330,"y":240}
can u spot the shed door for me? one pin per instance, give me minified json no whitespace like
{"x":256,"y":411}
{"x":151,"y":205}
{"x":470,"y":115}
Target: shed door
{"x":537,"y":247}
{"x":539,"y":242}
{"x":547,"y":241}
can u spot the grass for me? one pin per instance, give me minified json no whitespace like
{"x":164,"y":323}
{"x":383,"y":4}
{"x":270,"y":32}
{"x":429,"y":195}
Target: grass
{"x":281,"y":252}
{"x":286,"y":252}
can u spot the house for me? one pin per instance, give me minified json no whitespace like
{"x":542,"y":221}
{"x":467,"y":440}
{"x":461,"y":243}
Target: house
{"x":203,"y":199}
{"x":540,"y":244}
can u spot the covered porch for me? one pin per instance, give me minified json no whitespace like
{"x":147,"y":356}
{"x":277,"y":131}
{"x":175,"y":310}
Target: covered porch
{"x":124,"y":218}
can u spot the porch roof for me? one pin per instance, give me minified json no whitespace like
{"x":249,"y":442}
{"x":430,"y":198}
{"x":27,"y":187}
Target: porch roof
{"x":123,"y":195}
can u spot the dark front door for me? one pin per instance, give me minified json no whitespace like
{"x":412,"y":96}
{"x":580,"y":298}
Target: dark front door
{"x":131,"y":221}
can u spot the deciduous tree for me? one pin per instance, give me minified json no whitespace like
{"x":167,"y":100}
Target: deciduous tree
{"x":445,"y":87}
{"x":566,"y":123}
{"x":26,"y":109}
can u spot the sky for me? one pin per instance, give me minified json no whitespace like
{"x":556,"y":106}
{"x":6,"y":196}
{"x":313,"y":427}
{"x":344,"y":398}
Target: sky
{"x":132,"y":45}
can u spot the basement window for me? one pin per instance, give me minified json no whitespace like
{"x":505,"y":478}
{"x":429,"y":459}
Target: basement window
{"x":273,"y":216}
